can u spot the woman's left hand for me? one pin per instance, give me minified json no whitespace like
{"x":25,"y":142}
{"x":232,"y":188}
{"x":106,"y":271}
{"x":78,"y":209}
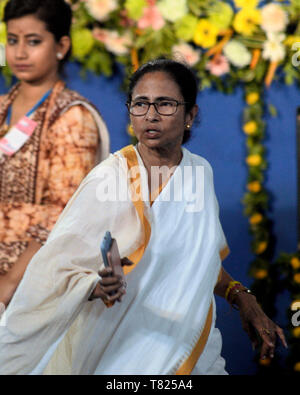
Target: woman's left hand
{"x":258,"y":326}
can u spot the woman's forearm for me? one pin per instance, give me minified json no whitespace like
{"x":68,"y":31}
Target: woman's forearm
{"x":9,"y":283}
{"x":222,"y":285}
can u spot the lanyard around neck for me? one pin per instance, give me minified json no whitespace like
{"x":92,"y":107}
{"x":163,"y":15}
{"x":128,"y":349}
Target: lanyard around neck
{"x":34,"y":108}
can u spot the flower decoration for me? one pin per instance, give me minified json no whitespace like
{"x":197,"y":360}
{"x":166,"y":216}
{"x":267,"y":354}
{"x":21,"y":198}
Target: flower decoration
{"x":185,"y":28}
{"x":254,"y":187}
{"x":246,"y":21}
{"x":252,"y":98}
{"x":173,"y":13}
{"x":220,"y":14}
{"x":250,"y":127}
{"x":187,"y":53}
{"x":206,"y":34}
{"x":100,"y":9}
{"x":135,"y":8}
{"x":151,"y":18}
{"x":246,"y":3}
{"x":83,"y":42}
{"x":237,"y":54}
{"x":295,"y":263}
{"x":218,"y":66}
{"x":273,"y":48}
{"x":274,"y":18}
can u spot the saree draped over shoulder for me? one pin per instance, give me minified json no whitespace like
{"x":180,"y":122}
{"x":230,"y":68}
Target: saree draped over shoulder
{"x":36,"y":183}
{"x":165,"y":323}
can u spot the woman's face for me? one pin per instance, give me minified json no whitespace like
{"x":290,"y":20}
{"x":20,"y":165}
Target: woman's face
{"x":31,"y":50}
{"x":154,"y":130}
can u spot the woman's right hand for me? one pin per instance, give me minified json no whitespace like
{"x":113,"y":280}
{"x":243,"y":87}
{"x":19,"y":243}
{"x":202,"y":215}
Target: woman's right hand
{"x":110,"y":288}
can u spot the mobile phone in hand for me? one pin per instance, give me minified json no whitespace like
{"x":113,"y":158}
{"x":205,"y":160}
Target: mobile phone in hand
{"x":105,"y":247}
{"x":111,"y":256}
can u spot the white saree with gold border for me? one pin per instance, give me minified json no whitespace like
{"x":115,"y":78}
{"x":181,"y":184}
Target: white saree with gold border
{"x":165,"y":323}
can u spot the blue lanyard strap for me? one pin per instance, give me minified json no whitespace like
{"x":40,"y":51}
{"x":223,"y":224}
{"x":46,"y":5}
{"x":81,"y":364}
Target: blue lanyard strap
{"x":38,"y":104}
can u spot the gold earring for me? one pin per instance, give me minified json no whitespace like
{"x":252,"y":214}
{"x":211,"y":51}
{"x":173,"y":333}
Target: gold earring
{"x":188,"y":126}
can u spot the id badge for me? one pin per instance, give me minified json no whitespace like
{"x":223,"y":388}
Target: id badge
{"x":17,"y":136}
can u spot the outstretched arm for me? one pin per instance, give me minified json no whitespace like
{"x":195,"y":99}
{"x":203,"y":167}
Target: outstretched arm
{"x":254,"y":321}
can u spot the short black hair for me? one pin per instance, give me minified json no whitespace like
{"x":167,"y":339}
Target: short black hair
{"x":180,"y":72}
{"x":56,"y":14}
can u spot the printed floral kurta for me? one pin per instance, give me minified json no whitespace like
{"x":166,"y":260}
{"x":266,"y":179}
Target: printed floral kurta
{"x":69,"y":153}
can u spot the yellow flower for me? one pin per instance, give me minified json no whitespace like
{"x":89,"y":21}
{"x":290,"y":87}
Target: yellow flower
{"x":205,"y":34}
{"x":295,"y":263}
{"x":130,"y":130}
{"x":246,"y":21}
{"x":254,"y":186}
{"x":260,"y":274}
{"x":254,"y":160}
{"x":297,"y":367}
{"x":291,"y":40}
{"x":261,"y":247}
{"x":255,"y":219}
{"x":246,"y":3}
{"x":296,"y":332}
{"x":250,"y":127}
{"x":252,"y":98}
{"x":297,"y":278}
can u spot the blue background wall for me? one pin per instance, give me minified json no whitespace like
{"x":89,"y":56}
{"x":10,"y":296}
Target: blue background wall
{"x":220,"y":140}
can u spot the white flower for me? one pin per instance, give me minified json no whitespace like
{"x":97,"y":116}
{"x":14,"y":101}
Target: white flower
{"x":237,"y":54}
{"x":100,"y":9}
{"x":187,"y":53}
{"x":274,"y":18}
{"x":119,"y":45}
{"x":273,"y":49}
{"x":172,"y":12}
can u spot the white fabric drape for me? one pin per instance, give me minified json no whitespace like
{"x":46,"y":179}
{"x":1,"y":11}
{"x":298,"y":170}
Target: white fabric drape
{"x":153,"y":331}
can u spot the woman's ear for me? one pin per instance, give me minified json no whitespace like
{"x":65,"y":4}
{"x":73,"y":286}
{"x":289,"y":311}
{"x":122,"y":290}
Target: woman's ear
{"x":63,"y":47}
{"x":191,"y":115}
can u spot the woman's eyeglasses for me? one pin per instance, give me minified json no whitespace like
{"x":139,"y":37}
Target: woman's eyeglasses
{"x":163,"y":107}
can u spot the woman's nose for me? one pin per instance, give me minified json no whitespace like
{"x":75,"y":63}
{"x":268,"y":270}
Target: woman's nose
{"x":21,"y":51}
{"x":152,"y":114}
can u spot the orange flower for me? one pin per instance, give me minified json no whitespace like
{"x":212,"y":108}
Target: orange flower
{"x":254,"y":160}
{"x":255,"y":219}
{"x":297,"y":278}
{"x":261,"y":247}
{"x":254,"y":186}
{"x":252,"y":98}
{"x":250,"y":127}
{"x":297,"y":367}
{"x":295,"y":263}
{"x":260,"y":274}
{"x":296,"y":332}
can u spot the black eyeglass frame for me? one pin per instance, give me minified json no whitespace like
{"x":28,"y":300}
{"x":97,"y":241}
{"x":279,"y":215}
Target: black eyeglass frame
{"x":128,"y":105}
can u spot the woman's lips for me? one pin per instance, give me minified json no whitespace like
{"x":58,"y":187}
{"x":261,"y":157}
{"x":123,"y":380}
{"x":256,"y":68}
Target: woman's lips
{"x":152,"y":133}
{"x":22,"y":66}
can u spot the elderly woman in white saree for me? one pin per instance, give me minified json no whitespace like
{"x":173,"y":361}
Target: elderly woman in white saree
{"x":68,"y":318}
